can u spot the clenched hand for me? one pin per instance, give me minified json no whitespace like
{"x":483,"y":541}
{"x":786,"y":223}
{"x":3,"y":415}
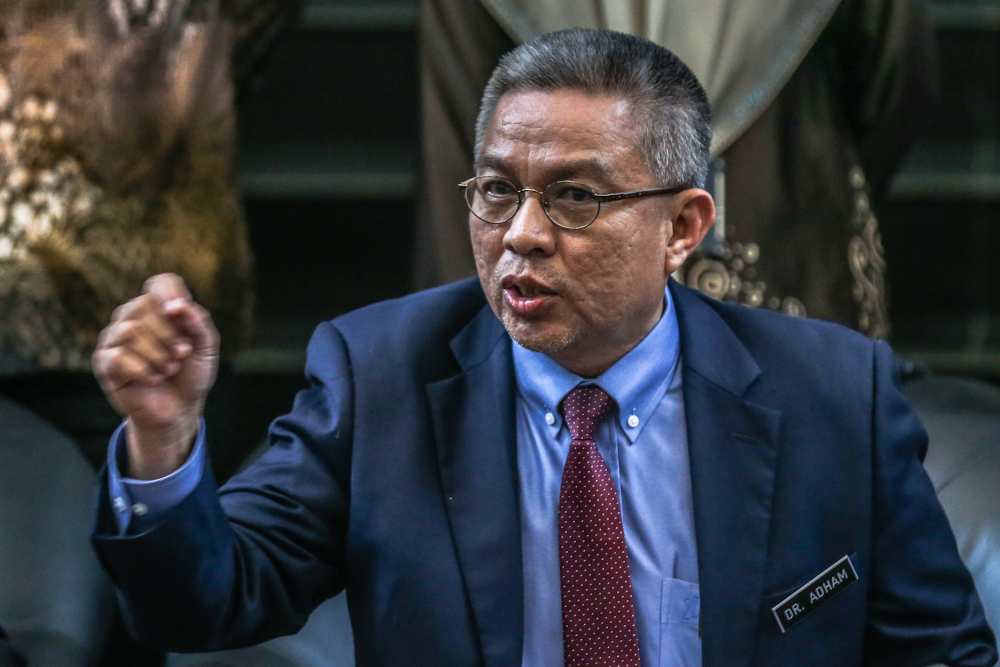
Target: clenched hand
{"x":156,"y":362}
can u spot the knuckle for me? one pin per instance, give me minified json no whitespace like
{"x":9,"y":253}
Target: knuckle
{"x":114,"y":357}
{"x":152,"y":281}
{"x":156,"y":289}
{"x":97,"y":363}
{"x":127,"y":330}
{"x":144,"y":304}
{"x":209,"y":324}
{"x":131,"y":365}
{"x":104,"y":366}
{"x":121,"y":360}
{"x":129,"y":309}
{"x":175,"y":280}
{"x":102,"y":338}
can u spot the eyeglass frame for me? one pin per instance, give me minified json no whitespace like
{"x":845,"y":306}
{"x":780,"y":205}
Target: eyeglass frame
{"x":609,"y":197}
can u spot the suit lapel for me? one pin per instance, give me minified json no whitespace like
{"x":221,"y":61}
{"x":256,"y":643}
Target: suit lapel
{"x":733,"y":451}
{"x":475,"y":434}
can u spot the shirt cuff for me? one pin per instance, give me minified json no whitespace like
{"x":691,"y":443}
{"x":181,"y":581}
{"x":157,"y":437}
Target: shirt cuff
{"x":146,"y":501}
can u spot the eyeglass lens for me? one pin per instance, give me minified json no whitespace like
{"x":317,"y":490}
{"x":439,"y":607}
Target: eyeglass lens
{"x":566,"y":203}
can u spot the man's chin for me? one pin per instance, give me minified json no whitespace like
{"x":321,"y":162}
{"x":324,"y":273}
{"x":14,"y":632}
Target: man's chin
{"x":538,"y":336}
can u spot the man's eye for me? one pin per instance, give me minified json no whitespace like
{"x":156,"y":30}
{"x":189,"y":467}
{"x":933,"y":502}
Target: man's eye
{"x":498,"y":188}
{"x":576,"y":195}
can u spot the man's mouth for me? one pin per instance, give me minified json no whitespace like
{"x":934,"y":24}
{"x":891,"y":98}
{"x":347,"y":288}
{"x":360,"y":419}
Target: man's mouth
{"x":526,"y":296}
{"x":529,"y":291}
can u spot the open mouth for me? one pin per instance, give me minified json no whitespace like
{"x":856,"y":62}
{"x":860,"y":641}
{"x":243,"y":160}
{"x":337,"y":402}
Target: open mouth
{"x":526,"y":297}
{"x":529,"y":291}
{"x":525,"y":286}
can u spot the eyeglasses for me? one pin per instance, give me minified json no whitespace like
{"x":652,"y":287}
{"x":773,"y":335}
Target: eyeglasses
{"x":567,"y":204}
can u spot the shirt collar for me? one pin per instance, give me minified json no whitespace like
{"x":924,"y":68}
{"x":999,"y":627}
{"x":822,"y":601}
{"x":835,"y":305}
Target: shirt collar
{"x":637,"y":381}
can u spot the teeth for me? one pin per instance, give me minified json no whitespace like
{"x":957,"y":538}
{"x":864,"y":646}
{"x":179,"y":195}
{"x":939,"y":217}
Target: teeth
{"x":526,"y":291}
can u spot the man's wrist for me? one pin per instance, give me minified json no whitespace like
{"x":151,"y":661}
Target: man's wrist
{"x":155,"y":452}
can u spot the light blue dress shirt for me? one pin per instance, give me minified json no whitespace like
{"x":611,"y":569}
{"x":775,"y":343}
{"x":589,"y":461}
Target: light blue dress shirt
{"x":645,"y":447}
{"x":144,"y":500}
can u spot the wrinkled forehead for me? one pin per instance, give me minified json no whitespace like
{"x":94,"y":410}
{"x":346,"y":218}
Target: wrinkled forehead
{"x":562,"y":126}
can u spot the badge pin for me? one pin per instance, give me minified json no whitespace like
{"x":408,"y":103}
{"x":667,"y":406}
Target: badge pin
{"x":823,"y":588}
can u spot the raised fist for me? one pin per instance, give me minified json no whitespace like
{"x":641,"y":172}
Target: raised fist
{"x":156,"y":362}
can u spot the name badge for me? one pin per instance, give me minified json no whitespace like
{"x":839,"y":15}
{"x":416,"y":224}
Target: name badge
{"x":830,"y":583}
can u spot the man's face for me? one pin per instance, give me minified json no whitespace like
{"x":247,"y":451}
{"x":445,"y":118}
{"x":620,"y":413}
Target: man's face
{"x":584,"y":297}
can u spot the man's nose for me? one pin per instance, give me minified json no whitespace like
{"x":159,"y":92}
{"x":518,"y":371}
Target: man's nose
{"x":530,"y":231}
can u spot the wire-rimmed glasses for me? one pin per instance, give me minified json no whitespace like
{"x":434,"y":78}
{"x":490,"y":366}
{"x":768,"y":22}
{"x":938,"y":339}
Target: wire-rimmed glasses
{"x":567,"y":204}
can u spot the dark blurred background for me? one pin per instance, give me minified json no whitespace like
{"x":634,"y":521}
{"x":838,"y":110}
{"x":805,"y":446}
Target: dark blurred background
{"x":940,"y":223}
{"x":328,"y":158}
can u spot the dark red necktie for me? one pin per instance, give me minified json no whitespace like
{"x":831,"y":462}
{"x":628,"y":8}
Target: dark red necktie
{"x":598,"y":614}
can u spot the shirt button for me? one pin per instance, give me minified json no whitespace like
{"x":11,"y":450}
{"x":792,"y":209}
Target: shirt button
{"x":120,"y":505}
{"x":633,"y":421}
{"x":139,"y":509}
{"x":550,"y":418}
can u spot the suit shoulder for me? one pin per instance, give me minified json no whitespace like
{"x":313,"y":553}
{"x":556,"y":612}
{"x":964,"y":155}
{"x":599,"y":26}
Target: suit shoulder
{"x":786,"y":346}
{"x":782,"y":329}
{"x":412,"y":326}
{"x":434,"y":308}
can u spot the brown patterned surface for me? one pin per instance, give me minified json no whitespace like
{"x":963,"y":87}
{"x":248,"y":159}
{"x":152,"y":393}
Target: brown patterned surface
{"x":116,"y":162}
{"x":734,"y":276}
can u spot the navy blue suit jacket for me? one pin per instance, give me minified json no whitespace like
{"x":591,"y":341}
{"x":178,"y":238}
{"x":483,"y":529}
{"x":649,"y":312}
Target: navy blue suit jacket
{"x":395,"y":476}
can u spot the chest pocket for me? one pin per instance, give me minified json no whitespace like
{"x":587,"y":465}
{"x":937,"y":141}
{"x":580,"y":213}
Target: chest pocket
{"x":680,"y":607}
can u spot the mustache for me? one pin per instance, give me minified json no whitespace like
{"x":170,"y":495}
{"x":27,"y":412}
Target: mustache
{"x":521,"y":266}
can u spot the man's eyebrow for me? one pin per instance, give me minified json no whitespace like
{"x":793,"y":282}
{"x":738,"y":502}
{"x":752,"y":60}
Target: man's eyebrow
{"x":588,"y":167}
{"x":593,"y":167}
{"x":494,"y":162}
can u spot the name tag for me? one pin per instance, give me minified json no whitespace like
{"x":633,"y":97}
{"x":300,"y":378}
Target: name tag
{"x":830,"y":583}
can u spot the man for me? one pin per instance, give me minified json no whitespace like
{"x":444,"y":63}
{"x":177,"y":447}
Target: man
{"x":572,"y":460}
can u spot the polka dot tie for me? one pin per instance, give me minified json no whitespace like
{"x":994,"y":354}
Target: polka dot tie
{"x":598,"y":613}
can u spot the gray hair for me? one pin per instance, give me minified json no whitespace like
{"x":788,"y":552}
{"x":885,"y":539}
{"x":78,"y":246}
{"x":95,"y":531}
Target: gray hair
{"x":671,"y":106}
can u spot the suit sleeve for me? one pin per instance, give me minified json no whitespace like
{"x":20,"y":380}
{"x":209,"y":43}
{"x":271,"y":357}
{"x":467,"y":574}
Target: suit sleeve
{"x":923,"y":607}
{"x":247,"y":562}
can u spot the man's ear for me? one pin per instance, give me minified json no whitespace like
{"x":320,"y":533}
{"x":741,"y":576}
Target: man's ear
{"x":695,"y":215}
